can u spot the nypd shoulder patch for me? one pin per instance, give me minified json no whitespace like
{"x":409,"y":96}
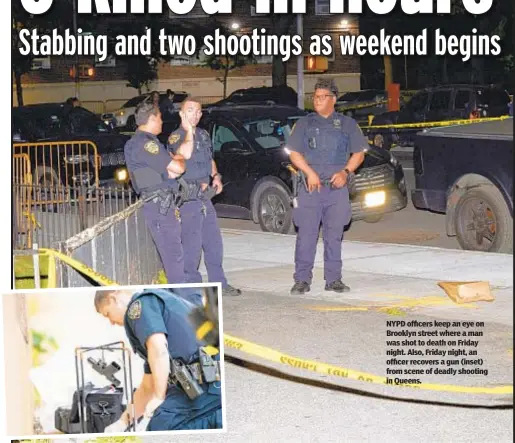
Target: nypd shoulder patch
{"x":135,"y":310}
{"x":151,"y":147}
{"x":174,"y":138}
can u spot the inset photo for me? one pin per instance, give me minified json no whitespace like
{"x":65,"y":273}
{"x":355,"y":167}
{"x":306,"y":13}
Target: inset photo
{"x":113,"y":360}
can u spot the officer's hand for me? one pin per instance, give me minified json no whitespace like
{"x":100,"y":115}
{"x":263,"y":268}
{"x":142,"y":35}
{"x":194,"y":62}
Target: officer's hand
{"x":217,"y":183}
{"x":117,"y":426}
{"x":186,"y":123}
{"x":152,"y":405}
{"x":339,"y":179}
{"x":314,"y":182}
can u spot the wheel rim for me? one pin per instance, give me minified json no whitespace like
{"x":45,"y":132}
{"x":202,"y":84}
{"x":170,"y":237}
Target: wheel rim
{"x":479,"y":224}
{"x":273,"y":213}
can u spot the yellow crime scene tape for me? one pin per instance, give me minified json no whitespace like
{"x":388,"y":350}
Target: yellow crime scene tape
{"x":337,"y":371}
{"x":277,"y":356}
{"x":437,"y":124}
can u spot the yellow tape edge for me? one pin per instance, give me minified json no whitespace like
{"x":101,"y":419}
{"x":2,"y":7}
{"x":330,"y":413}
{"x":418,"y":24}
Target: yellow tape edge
{"x":437,"y":123}
{"x":326,"y":369}
{"x":81,"y":267}
{"x":204,"y":329}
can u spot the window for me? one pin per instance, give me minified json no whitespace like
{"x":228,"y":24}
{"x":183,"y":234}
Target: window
{"x":269,"y":133}
{"x":322,"y":7}
{"x":222,"y":134}
{"x":418,"y":102}
{"x":109,"y":62}
{"x":492,"y":97}
{"x":462,"y":99}
{"x":440,"y":100}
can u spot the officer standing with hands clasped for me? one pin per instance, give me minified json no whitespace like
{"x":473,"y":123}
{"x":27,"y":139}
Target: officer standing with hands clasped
{"x":181,"y":387}
{"x":200,"y":230}
{"x":152,"y":171}
{"x":327,"y":148}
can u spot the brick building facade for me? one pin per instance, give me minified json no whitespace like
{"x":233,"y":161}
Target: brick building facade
{"x":52,"y":78}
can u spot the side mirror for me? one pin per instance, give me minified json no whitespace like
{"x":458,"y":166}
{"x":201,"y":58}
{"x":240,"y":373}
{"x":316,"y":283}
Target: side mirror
{"x":233,"y":147}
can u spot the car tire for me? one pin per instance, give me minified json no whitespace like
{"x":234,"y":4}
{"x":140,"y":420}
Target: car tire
{"x":483,"y":221}
{"x":274,"y":210}
{"x":373,"y":218}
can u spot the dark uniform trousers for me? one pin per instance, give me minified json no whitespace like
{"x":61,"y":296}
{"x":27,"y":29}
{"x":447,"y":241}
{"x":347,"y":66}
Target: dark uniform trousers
{"x":160,"y":311}
{"x":331,"y":207}
{"x":200,"y":229}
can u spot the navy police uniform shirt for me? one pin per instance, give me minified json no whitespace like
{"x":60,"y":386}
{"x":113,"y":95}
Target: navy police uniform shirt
{"x":326,"y":143}
{"x":199,"y":165}
{"x":146,"y":153}
{"x":159,"y":311}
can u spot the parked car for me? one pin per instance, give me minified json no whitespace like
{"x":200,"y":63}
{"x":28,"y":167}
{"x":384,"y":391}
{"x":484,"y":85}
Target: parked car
{"x":441,"y":103}
{"x":466,"y":172}
{"x":354,"y":99}
{"x":248,"y":145}
{"x":57,"y":122}
{"x":124,"y":117}
{"x":279,"y":95}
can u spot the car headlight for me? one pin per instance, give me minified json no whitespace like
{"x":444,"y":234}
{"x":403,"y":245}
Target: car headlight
{"x":121,"y":175}
{"x":75,"y":159}
{"x":393,"y":160}
{"x":374,"y":199}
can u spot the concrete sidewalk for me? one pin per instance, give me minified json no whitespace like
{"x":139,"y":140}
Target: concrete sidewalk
{"x":263,"y":262}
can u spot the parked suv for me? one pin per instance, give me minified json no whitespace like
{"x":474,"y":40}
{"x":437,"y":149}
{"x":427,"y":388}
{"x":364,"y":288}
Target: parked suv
{"x":279,"y":95}
{"x":451,"y":102}
{"x":248,"y":144}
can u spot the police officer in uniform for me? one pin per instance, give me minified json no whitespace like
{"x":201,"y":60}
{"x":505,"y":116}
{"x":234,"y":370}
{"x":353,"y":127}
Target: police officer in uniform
{"x":158,"y":327}
{"x":327,"y":147}
{"x":153,"y":170}
{"x":200,"y":230}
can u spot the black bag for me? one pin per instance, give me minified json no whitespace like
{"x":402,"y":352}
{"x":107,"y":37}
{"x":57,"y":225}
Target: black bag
{"x":103,"y":406}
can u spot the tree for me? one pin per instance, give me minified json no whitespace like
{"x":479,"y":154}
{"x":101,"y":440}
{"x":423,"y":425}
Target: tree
{"x":141,"y":70}
{"x":225,"y":63}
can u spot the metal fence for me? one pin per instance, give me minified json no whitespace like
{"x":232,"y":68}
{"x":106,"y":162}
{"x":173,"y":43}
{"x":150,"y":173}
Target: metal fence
{"x":71,"y":164}
{"x":72,"y":210}
{"x":119,"y":247}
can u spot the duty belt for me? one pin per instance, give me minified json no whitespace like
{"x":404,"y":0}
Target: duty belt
{"x":190,"y":191}
{"x":196,"y":371}
{"x":166,"y":198}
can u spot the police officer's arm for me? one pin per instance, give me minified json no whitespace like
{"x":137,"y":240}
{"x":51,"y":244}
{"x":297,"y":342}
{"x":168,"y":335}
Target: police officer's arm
{"x":296,"y":146}
{"x":357,"y":144}
{"x":176,"y":167}
{"x":149,"y":327}
{"x":159,"y":362}
{"x":142,"y":396}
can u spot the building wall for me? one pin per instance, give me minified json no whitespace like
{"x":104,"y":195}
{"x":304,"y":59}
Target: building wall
{"x":17,"y":360}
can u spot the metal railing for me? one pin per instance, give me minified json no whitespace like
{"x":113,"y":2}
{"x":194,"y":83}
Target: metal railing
{"x":22,"y":195}
{"x":71,"y":211}
{"x":53,"y":165}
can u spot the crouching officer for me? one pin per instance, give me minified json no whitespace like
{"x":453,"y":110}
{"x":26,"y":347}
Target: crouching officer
{"x":152,"y":172}
{"x":327,"y":147}
{"x":200,"y":230}
{"x":181,"y":387}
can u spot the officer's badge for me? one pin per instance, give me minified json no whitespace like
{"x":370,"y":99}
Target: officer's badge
{"x":174,"y":138}
{"x":151,"y":147}
{"x":135,"y":310}
{"x":337,"y":124}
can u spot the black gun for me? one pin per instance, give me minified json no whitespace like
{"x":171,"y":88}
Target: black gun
{"x":107,"y":371}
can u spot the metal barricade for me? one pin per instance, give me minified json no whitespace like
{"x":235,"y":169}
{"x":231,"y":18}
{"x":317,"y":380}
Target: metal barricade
{"x":70,"y":165}
{"x":22,"y":195}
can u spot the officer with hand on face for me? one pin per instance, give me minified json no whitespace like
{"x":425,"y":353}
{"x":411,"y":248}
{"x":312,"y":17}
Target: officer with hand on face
{"x":181,"y":386}
{"x":152,"y":171}
{"x":327,"y":147}
{"x":200,"y":230}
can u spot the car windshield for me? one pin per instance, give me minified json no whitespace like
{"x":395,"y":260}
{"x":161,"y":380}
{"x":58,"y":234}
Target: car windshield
{"x":271,"y":133}
{"x":135,"y":101}
{"x":84,"y":122}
